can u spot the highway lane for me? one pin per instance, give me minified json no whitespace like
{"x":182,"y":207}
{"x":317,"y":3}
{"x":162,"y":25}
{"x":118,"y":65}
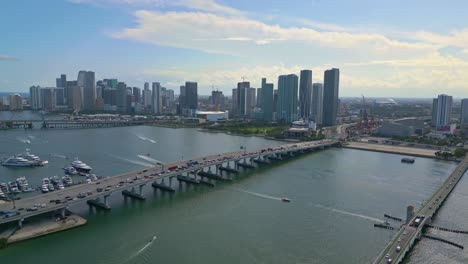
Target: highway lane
{"x":407,"y":233}
{"x":138,"y":178}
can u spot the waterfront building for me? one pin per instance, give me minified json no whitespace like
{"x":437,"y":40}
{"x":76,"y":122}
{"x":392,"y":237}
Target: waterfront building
{"x":234,"y":103}
{"x":259,"y":98}
{"x":242,"y":95}
{"x":86,"y":80}
{"x":147,"y":99}
{"x":464,"y":116}
{"x":267,"y":100}
{"x":444,"y":110}
{"x":35,"y":97}
{"x":217,"y":100}
{"x":305,"y":94}
{"x":188,"y":102}
{"x":16,"y":102}
{"x":156,"y":100}
{"x":60,"y":96}
{"x":331,"y":85}
{"x":137,"y":94}
{"x":434,"y":112}
{"x":122,"y":93}
{"x":317,"y":103}
{"x":48,"y":98}
{"x":287,"y":98}
{"x":75,"y":94}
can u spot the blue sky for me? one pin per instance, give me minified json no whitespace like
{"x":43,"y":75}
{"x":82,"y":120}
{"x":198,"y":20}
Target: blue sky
{"x":383,"y":48}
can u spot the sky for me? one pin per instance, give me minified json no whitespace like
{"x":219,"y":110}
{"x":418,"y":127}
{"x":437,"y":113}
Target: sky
{"x":382,"y":48}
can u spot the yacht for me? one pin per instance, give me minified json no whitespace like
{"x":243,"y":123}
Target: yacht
{"x":60,"y":186}
{"x":16,"y":161}
{"x":67,"y":180}
{"x":54,"y":180}
{"x":80,"y":166}
{"x":23,"y":184}
{"x":4,"y":188}
{"x":13,"y":187}
{"x":30,"y":157}
{"x":70,"y":170}
{"x":44,"y":188}
{"x":92,"y":177}
{"x":2,"y":195}
{"x":286,"y":200}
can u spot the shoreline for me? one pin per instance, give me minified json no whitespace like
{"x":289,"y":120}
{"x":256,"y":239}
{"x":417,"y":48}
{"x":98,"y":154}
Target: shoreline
{"x":409,"y":151}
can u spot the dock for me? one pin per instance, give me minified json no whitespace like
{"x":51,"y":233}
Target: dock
{"x":410,"y":151}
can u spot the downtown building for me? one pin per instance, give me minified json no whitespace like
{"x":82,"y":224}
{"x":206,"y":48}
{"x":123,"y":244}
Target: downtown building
{"x":317,"y":103}
{"x":156,"y":99}
{"x":443,"y":111}
{"x":86,"y":80}
{"x":331,"y":83}
{"x":286,"y":110}
{"x":305,"y":94}
{"x":188,"y":99}
{"x":464,"y":116}
{"x":266,"y":102}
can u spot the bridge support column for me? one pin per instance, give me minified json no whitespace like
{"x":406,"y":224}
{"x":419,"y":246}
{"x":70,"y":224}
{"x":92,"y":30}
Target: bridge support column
{"x":170,"y":180}
{"x":20,"y":223}
{"x":62,"y":212}
{"x":141,"y":189}
{"x":217,"y":169}
{"x":106,"y":202}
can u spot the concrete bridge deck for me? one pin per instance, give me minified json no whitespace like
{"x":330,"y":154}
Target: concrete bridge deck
{"x":139,"y":178}
{"x":409,"y":233}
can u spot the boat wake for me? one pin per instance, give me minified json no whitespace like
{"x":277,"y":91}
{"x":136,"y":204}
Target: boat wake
{"x":23,"y":140}
{"x":256,"y":194}
{"x":349,"y":213}
{"x":146,"y":139}
{"x":150,"y":159}
{"x":133,"y":161}
{"x":143,"y":248}
{"x":58,"y":155}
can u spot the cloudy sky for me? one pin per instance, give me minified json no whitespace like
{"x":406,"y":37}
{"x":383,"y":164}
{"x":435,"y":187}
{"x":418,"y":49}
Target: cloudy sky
{"x":393,"y":48}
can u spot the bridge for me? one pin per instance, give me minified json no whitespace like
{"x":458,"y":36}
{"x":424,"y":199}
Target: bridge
{"x":201,"y":170}
{"x":52,"y":123}
{"x":409,"y":233}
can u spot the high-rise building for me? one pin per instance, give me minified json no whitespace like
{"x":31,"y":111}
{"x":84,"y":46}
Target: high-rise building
{"x":234,"y":103}
{"x":16,"y":102}
{"x":191,"y":98}
{"x":242,"y":98}
{"x":217,"y":100}
{"x":259,"y":98}
{"x":60,"y":96}
{"x":75,"y":94}
{"x":317,"y":103}
{"x":122,"y":93}
{"x":146,"y":87}
{"x":48,"y":98}
{"x":287,"y":98}
{"x":147,"y":99}
{"x":137,"y":94}
{"x":464,"y":111}
{"x":444,"y":110}
{"x":434,"y":112}
{"x":35,"y":97}
{"x":331,"y":84}
{"x":305,"y":94}
{"x":156,"y":100}
{"x":267,"y":100}
{"x":87,"y":81}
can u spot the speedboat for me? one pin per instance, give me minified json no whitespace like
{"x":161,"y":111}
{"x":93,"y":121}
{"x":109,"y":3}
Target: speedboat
{"x":4,"y":187}
{"x":23,"y":184}
{"x":286,"y":200}
{"x":13,"y":186}
{"x":16,"y":161}
{"x":67,"y":180}
{"x":60,"y":186}
{"x":2,"y":195}
{"x":80,"y":166}
{"x":70,"y":170}
{"x":44,"y":188}
{"x":51,"y":187}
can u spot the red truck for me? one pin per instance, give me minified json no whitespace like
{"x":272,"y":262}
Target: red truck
{"x":172,"y":168}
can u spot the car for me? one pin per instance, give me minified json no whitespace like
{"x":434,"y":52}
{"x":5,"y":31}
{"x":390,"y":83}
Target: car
{"x":399,"y":240}
{"x":58,"y":202}
{"x":31,"y":209}
{"x":98,"y":182}
{"x":81,"y":195}
{"x":404,"y":233}
{"x":90,"y":193}
{"x":108,"y":188}
{"x":99,"y":189}
{"x":387,"y":256}
{"x":121,"y":182}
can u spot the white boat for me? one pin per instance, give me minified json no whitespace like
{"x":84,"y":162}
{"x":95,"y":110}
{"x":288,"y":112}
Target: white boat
{"x":44,"y":188}
{"x":13,"y":187}
{"x":15,"y":161}
{"x":67,"y":180}
{"x":31,"y":157}
{"x":70,"y":170}
{"x":2,"y":195}
{"x":60,"y":186}
{"x":80,"y":166}
{"x":4,"y":187}
{"x":23,"y":184}
{"x":51,"y":187}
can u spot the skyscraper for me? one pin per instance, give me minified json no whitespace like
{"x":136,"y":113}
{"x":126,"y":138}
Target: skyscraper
{"x":287,"y":98}
{"x":122,"y":93}
{"x":259,"y":98}
{"x":35,"y":97}
{"x":267,"y":100}
{"x":434,"y":112}
{"x":87,"y":81}
{"x":191,"y":97}
{"x":235,"y":104}
{"x":217,"y":100}
{"x":146,"y":87}
{"x":156,"y":98}
{"x":331,"y":85}
{"x":48,"y":98}
{"x":242,"y":95}
{"x":317,"y":103}
{"x":464,"y":116}
{"x":305,"y":94}
{"x":444,"y":110}
{"x":251,"y":101}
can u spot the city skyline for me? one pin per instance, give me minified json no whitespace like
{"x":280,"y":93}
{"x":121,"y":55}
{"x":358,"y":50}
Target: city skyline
{"x":387,"y":54}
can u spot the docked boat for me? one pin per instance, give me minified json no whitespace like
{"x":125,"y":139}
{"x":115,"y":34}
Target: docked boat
{"x":23,"y":184}
{"x":16,"y":161}
{"x":44,"y":188}
{"x":60,"y":186}
{"x":67,"y":180}
{"x":286,"y":200}
{"x":13,"y":187}
{"x":407,"y":160}
{"x":80,"y":166}
{"x":2,"y":195}
{"x":70,"y":170}
{"x":51,"y":187}
{"x":4,"y":188}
